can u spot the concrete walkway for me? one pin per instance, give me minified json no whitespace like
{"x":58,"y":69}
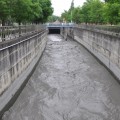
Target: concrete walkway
{"x":68,"y":84}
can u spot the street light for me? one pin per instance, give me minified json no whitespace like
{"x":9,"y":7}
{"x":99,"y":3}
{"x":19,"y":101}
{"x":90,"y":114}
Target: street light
{"x":71,"y":15}
{"x":72,"y":6}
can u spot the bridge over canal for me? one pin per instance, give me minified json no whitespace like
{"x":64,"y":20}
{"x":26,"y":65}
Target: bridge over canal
{"x":69,"y":83}
{"x":57,"y":28}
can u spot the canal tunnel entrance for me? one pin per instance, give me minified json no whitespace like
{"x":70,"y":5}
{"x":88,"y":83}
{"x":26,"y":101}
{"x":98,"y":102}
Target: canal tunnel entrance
{"x":54,"y":30}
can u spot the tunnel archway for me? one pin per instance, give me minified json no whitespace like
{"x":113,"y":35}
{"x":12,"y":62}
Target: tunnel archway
{"x":54,"y":31}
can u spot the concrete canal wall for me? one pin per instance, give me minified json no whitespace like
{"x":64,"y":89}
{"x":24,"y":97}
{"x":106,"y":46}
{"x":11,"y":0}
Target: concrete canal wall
{"x":67,"y":32}
{"x":104,"y":45}
{"x":16,"y":64}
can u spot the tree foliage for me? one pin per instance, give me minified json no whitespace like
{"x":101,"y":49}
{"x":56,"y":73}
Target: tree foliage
{"x":21,"y":10}
{"x":95,"y":12}
{"x":4,"y":10}
{"x":47,"y":11}
{"x":112,"y":13}
{"x":77,"y":15}
{"x":54,"y":18}
{"x":112,"y":1}
{"x":25,"y":10}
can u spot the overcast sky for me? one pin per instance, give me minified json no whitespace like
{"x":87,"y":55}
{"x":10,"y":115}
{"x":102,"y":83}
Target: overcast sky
{"x":61,"y":5}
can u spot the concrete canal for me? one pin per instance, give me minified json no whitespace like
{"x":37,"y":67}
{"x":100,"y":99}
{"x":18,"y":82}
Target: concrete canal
{"x":68,"y":84}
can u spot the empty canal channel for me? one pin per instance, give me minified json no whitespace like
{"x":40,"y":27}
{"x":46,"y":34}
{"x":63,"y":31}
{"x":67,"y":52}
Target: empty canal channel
{"x":68,"y":84}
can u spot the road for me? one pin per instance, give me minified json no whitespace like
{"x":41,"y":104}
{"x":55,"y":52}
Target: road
{"x":68,"y":84}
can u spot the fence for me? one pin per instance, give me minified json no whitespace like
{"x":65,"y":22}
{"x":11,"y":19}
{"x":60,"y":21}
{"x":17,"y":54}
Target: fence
{"x":109,"y":29}
{"x":59,"y":25}
{"x":12,"y":32}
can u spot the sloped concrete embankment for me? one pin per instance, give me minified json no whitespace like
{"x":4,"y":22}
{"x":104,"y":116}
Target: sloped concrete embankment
{"x":17,"y":62}
{"x":105,"y":46}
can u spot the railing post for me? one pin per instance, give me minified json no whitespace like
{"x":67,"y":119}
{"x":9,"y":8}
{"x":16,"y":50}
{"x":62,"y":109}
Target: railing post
{"x":3,"y":33}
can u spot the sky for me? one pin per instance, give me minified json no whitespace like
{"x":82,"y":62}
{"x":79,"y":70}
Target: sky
{"x":61,"y":5}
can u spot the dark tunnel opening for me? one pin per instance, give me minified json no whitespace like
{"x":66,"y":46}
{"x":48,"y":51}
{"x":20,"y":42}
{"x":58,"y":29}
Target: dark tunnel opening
{"x":54,"y":31}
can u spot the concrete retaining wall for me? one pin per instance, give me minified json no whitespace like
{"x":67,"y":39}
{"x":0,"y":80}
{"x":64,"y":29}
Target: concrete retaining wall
{"x":63,"y":32}
{"x":106,"y":47}
{"x":16,"y":63}
{"x":67,"y":32}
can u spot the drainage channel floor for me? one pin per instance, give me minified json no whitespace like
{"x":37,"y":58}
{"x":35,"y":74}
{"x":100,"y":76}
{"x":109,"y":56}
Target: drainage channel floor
{"x":68,"y":84}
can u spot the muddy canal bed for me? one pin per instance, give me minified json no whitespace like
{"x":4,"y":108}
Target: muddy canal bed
{"x":68,"y":84}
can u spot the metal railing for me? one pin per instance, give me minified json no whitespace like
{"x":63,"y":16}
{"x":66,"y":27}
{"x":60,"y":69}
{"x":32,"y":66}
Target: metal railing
{"x":59,"y":24}
{"x":104,"y":28}
{"x":11,"y":32}
{"x":16,"y":57}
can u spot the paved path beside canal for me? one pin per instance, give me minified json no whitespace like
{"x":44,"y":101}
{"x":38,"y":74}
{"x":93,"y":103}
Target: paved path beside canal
{"x":68,"y":84}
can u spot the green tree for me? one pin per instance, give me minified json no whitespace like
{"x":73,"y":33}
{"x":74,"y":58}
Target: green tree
{"x":4,"y":10}
{"x":112,"y":1}
{"x":22,"y":10}
{"x":53,"y":18}
{"x":86,"y":12}
{"x":66,"y":16}
{"x":77,"y":15}
{"x":47,"y":11}
{"x":36,"y":10}
{"x":112,"y":13}
{"x":95,"y":12}
{"x":92,"y":11}
{"x":96,"y":7}
{"x":104,"y":14}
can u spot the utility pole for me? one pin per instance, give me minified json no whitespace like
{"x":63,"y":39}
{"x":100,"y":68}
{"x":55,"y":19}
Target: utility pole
{"x":71,"y":15}
{"x":72,"y":6}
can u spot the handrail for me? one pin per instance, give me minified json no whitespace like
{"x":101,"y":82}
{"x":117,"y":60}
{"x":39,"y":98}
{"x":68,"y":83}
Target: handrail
{"x":59,"y":24}
{"x":106,"y":28}
{"x":21,"y":41}
{"x":17,"y":56}
{"x":11,"y":32}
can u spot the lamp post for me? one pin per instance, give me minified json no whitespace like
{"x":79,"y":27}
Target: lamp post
{"x":72,"y":6}
{"x":71,"y":15}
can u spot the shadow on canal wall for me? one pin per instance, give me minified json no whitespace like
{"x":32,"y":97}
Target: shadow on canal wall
{"x":67,"y":32}
{"x":103,"y":45}
{"x":17,"y":61}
